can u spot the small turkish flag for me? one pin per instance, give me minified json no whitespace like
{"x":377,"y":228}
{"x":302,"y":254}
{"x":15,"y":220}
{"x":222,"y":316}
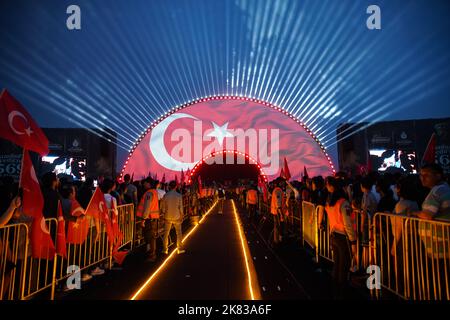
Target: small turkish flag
{"x":17,"y":126}
{"x":97,"y":205}
{"x":41,"y":242}
{"x":263,"y":187}
{"x":287,"y":173}
{"x":77,"y":231}
{"x":61,"y":234}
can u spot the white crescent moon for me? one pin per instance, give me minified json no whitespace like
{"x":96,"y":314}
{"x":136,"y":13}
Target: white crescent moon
{"x":158,"y":148}
{"x":11,"y":119}
{"x":44,"y":226}
{"x":79,"y":209}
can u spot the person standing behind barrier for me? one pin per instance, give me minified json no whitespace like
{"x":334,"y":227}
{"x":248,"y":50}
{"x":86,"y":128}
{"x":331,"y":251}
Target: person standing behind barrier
{"x":148,"y":210}
{"x":338,"y":212}
{"x":172,"y":208}
{"x":131,"y":192}
{"x":277,"y":209}
{"x":437,"y":203}
{"x":252,"y":200}
{"x":436,"y":206}
{"x":221,"y":196}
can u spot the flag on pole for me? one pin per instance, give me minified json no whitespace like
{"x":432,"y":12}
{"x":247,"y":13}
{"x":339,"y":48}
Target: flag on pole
{"x":430,"y":152}
{"x":17,"y":125}
{"x":77,"y":231}
{"x":182,"y":177}
{"x":97,"y":205}
{"x":33,"y":202}
{"x":263,"y":187}
{"x":61,"y":234}
{"x":282,"y":174}
{"x":287,"y":173}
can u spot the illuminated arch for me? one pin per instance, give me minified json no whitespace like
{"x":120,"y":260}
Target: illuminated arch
{"x":140,"y":160}
{"x":235,"y":152}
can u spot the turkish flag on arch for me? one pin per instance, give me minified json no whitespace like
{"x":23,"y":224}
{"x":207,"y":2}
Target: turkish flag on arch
{"x":61,"y":234}
{"x":77,"y":231}
{"x":17,"y":125}
{"x":41,"y":242}
{"x":97,"y":205}
{"x":287,"y":173}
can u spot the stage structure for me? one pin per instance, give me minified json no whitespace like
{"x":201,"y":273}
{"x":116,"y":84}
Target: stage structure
{"x":186,"y":134}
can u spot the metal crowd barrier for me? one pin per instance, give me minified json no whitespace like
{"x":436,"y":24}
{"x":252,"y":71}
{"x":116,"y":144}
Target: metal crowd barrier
{"x":13,"y":260}
{"x":23,"y":277}
{"x":413,"y":255}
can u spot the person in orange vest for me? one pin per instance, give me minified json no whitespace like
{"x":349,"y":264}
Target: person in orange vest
{"x":252,"y":200}
{"x":342,"y":235}
{"x":277,"y":209}
{"x":148,"y":210}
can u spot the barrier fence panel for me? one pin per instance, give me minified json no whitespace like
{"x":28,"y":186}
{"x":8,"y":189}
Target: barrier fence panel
{"x":309,"y":224}
{"x":427,"y":265}
{"x":413,"y":256}
{"x":13,"y":260}
{"x":323,"y":235}
{"x":126,"y":224}
{"x":38,"y":274}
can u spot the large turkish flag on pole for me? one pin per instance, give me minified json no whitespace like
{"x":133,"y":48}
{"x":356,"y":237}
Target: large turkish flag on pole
{"x":41,"y":242}
{"x":17,"y":126}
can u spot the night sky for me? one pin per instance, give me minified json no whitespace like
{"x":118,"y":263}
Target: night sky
{"x":133,"y":60}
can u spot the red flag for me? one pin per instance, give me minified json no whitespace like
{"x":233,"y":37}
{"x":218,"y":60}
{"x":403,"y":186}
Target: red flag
{"x":287,"y":173}
{"x":77,"y":231}
{"x":61,"y":234}
{"x":263,"y":188}
{"x":41,"y":242}
{"x":282,"y":173}
{"x":182,"y":177}
{"x":97,"y":205}
{"x":430,"y":152}
{"x":188,"y":174}
{"x":17,"y":125}
{"x":116,"y":233}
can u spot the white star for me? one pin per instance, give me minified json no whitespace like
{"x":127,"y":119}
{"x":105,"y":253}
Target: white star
{"x":220,"y":132}
{"x":28,"y":131}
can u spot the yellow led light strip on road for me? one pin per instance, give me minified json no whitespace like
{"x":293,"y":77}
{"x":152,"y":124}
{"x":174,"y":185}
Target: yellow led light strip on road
{"x":170,"y":256}
{"x":253,"y":289}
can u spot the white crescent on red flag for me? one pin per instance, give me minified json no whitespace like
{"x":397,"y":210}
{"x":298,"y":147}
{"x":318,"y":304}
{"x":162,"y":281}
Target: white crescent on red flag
{"x":17,"y":125}
{"x":97,"y":205}
{"x":33,"y":202}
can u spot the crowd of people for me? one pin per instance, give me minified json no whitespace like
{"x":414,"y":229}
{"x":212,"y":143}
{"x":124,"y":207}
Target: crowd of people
{"x":425,"y":196}
{"x":341,"y":197}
